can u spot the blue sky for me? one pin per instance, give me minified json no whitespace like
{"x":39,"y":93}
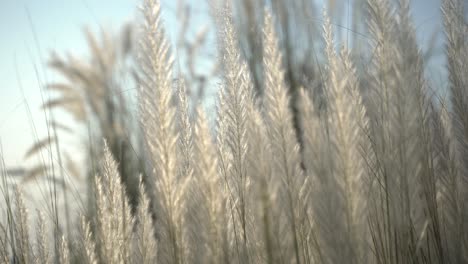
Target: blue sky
{"x":58,"y":25}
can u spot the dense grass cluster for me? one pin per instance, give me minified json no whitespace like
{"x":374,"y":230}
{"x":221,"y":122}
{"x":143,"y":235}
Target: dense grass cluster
{"x":373,"y":169}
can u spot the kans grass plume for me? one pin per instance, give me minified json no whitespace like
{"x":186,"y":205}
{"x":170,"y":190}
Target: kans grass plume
{"x":373,"y":171}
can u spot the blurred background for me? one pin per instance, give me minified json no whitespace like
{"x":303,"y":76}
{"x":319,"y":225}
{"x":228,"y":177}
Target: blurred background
{"x":32,"y":30}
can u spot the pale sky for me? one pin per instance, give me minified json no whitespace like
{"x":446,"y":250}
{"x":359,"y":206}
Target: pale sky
{"x":58,"y":26}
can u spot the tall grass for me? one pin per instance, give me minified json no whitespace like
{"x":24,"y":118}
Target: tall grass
{"x":374,"y":171}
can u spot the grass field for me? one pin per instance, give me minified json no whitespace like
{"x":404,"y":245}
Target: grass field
{"x":363,"y":163}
